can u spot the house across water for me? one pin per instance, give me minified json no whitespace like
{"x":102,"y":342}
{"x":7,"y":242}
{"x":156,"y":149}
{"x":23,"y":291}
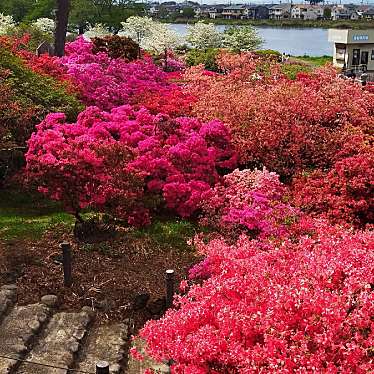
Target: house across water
{"x":353,"y":50}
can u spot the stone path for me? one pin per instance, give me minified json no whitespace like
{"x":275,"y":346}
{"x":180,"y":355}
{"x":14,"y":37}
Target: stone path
{"x":37,"y":333}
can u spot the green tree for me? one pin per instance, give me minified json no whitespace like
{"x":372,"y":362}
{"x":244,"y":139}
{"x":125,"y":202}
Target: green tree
{"x":16,"y":8}
{"x":188,"y":12}
{"x":241,"y":39}
{"x":41,"y":9}
{"x":82,"y":14}
{"x":327,"y":13}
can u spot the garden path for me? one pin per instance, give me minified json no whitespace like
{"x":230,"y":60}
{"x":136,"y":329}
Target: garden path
{"x":60,"y":341}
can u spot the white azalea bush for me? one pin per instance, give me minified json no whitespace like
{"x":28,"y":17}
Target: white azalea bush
{"x":138,"y":29}
{"x":96,"y":31}
{"x":204,"y":35}
{"x":6,"y":23}
{"x":45,"y":25}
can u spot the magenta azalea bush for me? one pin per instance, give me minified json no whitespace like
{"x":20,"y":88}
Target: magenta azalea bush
{"x":125,"y":161}
{"x":248,"y":201}
{"x":298,"y":306}
{"x":111,"y":82}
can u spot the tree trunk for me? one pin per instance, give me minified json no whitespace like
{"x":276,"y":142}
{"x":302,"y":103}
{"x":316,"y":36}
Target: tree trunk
{"x":62,"y":16}
{"x":166,"y":60}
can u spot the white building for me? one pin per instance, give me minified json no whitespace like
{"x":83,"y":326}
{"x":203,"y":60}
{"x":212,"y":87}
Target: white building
{"x":280,"y":11}
{"x":307,"y":12}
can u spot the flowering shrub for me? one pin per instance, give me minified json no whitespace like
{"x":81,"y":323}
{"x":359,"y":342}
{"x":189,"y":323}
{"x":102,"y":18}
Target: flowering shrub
{"x":282,"y":124}
{"x":32,"y":95}
{"x":6,"y":23}
{"x":116,"y":47}
{"x":15,"y":115}
{"x":108,"y":83}
{"x":155,"y":158}
{"x":345,"y":193}
{"x":300,"y":306}
{"x":248,"y":200}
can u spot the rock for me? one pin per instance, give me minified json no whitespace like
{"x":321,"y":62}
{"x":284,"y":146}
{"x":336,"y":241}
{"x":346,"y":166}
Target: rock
{"x":49,"y":300}
{"x":105,"y":343}
{"x":11,"y":287}
{"x":88,"y":310}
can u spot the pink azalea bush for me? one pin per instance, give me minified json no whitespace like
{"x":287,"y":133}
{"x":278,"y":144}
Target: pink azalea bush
{"x":300,"y":306}
{"x":111,"y":82}
{"x":248,"y":201}
{"x":126,"y":161}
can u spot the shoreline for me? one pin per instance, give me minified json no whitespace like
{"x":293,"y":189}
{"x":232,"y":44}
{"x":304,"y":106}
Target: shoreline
{"x":294,"y":23}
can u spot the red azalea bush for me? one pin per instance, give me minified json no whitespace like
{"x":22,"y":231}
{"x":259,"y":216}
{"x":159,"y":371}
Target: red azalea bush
{"x":299,"y":306}
{"x":156,"y":158}
{"x":282,"y":124}
{"x":110,"y":82}
{"x":345,"y":193}
{"x":248,"y":201}
{"x":14,"y":115}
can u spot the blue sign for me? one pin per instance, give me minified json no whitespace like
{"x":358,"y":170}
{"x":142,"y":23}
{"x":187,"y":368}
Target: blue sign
{"x":360,"y":38}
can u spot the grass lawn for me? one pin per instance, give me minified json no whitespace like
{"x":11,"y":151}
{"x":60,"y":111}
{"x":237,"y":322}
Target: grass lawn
{"x":316,"y":61}
{"x":27,"y":216}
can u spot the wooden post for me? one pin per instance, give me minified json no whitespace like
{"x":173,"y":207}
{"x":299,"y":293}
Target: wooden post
{"x":66,"y":262}
{"x":102,"y":367}
{"x":62,"y":16}
{"x":170,"y":280}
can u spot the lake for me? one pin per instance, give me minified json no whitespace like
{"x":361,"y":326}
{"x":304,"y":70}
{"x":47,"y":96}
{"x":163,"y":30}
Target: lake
{"x":293,"y":41}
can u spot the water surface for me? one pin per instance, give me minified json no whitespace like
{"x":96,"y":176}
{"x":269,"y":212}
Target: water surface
{"x":293,"y":41}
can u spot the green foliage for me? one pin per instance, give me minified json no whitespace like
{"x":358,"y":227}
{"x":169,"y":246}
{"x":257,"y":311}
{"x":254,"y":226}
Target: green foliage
{"x":32,"y":90}
{"x":36,"y":35}
{"x":117,"y":47}
{"x":206,"y":57}
{"x":16,"y":8}
{"x":268,"y":52}
{"x":316,"y":60}
{"x":174,"y":232}
{"x":241,"y":38}
{"x":327,"y":13}
{"x":188,"y":12}
{"x":291,"y":70}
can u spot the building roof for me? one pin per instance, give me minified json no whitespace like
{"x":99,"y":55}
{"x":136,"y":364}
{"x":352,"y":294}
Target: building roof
{"x":281,"y":6}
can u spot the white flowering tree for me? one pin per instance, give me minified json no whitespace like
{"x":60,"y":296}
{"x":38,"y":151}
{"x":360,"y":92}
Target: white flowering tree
{"x":138,"y":29}
{"x":45,"y":25}
{"x":161,"y":39}
{"x":6,"y":23}
{"x":204,"y":35}
{"x":241,"y":39}
{"x":96,"y":31}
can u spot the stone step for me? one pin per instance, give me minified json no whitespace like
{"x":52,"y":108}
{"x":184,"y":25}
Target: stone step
{"x":58,"y":344}
{"x":139,"y":367}
{"x":8,"y":295}
{"x":17,"y":331}
{"x":105,"y":343}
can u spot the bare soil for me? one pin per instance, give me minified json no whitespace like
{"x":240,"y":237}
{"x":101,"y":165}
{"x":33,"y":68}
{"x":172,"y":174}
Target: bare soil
{"x":111,"y":276}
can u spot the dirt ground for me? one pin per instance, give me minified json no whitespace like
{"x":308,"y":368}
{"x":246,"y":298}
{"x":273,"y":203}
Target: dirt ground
{"x":114,"y":277}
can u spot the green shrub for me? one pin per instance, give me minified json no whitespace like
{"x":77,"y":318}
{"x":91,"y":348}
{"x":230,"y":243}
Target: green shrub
{"x":36,"y":35}
{"x":268,"y":52}
{"x":206,"y":57}
{"x":291,"y":70}
{"x":31,"y":90}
